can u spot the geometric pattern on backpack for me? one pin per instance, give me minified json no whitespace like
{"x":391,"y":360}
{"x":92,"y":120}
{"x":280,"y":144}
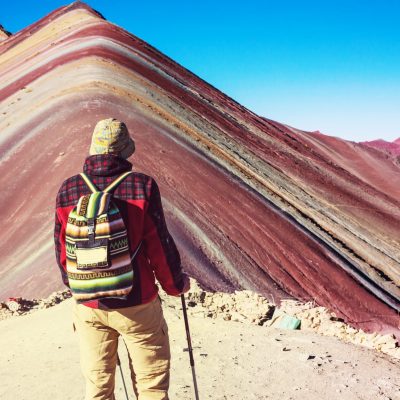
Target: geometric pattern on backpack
{"x":98,"y":262}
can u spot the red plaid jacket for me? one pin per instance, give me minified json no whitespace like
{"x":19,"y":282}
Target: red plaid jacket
{"x":139,"y":201}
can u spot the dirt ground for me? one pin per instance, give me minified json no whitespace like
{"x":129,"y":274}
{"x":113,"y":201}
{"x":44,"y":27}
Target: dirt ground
{"x":39,"y":359}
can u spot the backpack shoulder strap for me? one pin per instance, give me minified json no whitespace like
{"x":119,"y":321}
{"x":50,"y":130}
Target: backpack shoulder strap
{"x":88,"y":182}
{"x":117,"y":181}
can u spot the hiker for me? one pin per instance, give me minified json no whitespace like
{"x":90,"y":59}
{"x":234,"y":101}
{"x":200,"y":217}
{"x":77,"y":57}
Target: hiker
{"x":138,"y":318}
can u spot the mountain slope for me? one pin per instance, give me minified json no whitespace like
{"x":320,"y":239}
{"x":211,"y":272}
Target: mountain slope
{"x":251,"y":203}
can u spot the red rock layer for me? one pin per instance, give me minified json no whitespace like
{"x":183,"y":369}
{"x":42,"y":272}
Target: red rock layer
{"x":393,"y":148}
{"x":251,"y":203}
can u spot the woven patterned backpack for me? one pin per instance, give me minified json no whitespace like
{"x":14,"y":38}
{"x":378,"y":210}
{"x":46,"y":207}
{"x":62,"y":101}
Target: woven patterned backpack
{"x":98,"y":262}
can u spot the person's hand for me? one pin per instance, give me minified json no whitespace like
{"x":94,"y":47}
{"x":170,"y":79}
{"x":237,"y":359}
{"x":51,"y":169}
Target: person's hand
{"x":186,"y":284}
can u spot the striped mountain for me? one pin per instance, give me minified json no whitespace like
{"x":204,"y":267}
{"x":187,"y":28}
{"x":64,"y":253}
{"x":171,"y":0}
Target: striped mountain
{"x":252,"y":203}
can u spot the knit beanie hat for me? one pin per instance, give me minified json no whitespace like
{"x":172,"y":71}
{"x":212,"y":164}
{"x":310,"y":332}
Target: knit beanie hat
{"x":112,"y":136}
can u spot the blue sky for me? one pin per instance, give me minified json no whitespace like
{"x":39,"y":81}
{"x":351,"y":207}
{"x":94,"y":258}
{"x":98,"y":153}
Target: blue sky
{"x":332,"y":66}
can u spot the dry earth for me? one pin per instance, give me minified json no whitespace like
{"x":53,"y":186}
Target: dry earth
{"x":39,"y":354}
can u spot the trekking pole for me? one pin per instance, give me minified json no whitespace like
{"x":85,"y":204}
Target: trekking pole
{"x":189,"y":346}
{"x":122,"y":375}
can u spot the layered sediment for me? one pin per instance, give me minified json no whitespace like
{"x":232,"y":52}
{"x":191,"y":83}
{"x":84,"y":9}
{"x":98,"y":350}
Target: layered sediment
{"x":251,"y":203}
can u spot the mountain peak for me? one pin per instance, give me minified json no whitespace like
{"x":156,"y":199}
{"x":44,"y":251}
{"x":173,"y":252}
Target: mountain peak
{"x":381,"y":144}
{"x":4,"y":34}
{"x":7,"y":40}
{"x":80,"y":4}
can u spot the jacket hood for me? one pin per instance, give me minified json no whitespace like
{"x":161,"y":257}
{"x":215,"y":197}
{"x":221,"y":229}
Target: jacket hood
{"x":106,"y":165}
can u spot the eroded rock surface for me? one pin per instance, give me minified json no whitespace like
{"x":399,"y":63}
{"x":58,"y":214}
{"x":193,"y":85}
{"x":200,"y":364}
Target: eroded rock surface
{"x":252,"y":204}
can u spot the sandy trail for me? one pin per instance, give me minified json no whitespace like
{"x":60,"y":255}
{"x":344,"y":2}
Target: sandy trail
{"x":40,"y":360}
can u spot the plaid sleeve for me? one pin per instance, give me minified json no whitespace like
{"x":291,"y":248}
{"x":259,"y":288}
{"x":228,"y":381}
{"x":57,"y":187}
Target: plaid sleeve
{"x":59,"y":243}
{"x":160,"y":246}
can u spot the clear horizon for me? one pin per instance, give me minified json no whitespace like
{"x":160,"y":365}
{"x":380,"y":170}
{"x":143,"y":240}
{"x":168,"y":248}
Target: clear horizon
{"x":331,"y":67}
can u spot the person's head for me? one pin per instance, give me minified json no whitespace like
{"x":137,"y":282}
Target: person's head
{"x":111,"y":136}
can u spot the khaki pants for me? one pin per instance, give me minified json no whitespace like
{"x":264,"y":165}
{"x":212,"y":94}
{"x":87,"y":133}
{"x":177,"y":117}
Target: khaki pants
{"x":145,"y":332}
